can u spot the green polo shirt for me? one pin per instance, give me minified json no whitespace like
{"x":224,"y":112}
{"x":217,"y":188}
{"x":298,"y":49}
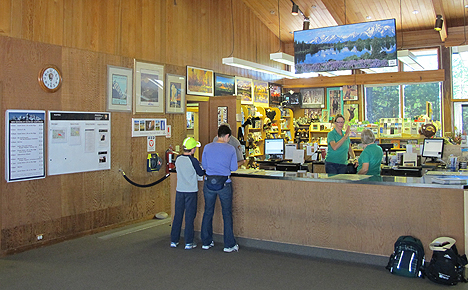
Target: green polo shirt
{"x":372,"y":154}
{"x":339,"y":155}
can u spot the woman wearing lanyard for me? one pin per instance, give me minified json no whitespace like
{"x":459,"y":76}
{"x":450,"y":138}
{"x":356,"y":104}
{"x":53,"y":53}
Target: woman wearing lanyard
{"x":339,"y":146}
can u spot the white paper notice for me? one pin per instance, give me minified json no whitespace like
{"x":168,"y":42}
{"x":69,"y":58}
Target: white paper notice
{"x":90,"y":140}
{"x":289,"y":150}
{"x":298,"y":156}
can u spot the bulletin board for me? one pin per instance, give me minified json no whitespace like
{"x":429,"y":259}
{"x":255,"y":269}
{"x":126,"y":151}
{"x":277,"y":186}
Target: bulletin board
{"x":78,"y":142}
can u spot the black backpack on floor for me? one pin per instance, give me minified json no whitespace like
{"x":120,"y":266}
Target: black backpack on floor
{"x":407,"y":258}
{"x":446,"y":266}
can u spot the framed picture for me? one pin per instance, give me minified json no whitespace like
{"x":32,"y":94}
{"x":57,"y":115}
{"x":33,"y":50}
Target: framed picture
{"x":350,"y":93}
{"x":119,"y":88}
{"x":244,"y":88}
{"x":222,"y":115}
{"x":351,"y":112}
{"x":275,"y":94}
{"x":190,"y":120}
{"x":199,"y":81}
{"x":175,"y":94}
{"x":325,"y":116}
{"x":261,"y":93}
{"x":314,"y":114}
{"x":224,"y":85}
{"x":334,"y":101}
{"x":149,"y":87}
{"x":313,"y":98}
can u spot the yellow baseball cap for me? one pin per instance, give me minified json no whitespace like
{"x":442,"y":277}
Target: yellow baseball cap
{"x":190,"y":143}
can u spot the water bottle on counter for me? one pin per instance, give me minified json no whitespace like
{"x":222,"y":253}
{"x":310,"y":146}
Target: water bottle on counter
{"x":453,"y":162}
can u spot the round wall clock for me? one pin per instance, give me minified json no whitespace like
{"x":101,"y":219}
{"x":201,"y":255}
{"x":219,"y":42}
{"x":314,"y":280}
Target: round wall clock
{"x":50,"y":78}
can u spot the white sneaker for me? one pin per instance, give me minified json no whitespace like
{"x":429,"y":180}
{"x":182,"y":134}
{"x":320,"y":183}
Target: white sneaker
{"x":174,"y":245}
{"x":233,"y":249}
{"x":208,"y":246}
{"x":190,"y":246}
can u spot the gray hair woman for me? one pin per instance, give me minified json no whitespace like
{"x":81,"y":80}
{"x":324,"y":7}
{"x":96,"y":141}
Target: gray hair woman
{"x":371,"y":157}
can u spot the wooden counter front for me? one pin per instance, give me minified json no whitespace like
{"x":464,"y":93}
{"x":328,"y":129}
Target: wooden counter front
{"x":361,"y":218}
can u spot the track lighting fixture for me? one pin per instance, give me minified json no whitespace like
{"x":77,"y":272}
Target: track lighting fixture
{"x":305,"y":24}
{"x":295,"y":9}
{"x":438,"y":23}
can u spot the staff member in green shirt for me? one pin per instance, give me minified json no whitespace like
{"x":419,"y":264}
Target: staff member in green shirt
{"x":371,"y":157}
{"x":339,"y":146}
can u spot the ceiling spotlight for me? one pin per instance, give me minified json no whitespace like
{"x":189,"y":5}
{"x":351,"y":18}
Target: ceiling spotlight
{"x":306,"y":24}
{"x":295,"y":9}
{"x":438,"y":24}
{"x":415,"y":12}
{"x":368,"y":17}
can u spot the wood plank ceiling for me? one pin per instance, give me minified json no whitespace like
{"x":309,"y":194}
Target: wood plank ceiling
{"x":410,"y":15}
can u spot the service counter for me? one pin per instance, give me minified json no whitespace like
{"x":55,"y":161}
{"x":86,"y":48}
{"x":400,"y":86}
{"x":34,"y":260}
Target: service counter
{"x":342,"y":215}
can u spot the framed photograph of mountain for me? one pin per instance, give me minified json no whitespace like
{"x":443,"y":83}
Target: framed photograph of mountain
{"x":244,"y":88}
{"x":149,"y":87}
{"x":199,"y":81}
{"x":334,"y":101}
{"x":224,"y":85}
{"x":119,"y":88}
{"x":369,"y":44}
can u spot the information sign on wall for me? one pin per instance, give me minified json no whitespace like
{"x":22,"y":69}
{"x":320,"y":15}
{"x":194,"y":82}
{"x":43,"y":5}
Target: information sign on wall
{"x":24,"y":145}
{"x":148,"y":127}
{"x":78,"y":142}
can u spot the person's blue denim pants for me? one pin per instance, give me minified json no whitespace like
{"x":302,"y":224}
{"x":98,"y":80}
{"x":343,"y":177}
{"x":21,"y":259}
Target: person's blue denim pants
{"x":335,"y":168}
{"x":225,"y":197}
{"x":184,"y":202}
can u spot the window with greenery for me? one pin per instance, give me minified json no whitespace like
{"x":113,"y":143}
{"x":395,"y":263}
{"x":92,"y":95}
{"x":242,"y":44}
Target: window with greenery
{"x":427,"y":58}
{"x":459,"y":77}
{"x":385,"y":101}
{"x":382,"y":102}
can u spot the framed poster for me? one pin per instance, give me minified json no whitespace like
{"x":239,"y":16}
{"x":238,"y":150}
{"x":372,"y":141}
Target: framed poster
{"x":325,"y":116}
{"x":224,"y":85}
{"x":313,"y":98}
{"x":314,"y":114}
{"x":244,"y":88}
{"x":148,"y":127}
{"x":24,"y":145}
{"x":351,"y":112}
{"x":199,"y":81}
{"x":261,"y":93}
{"x":149,"y":87}
{"x":119,"y":88}
{"x":275,"y":94}
{"x":350,"y":93}
{"x":334,"y":101}
{"x":175,"y":94}
{"x":190,"y":120}
{"x":222,"y":115}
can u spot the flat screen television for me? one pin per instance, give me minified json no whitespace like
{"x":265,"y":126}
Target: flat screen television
{"x":354,"y":46}
{"x":293,"y":99}
{"x":274,"y":148}
{"x":433,"y":148}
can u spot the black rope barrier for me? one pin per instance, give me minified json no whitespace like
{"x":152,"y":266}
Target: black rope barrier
{"x":143,"y":185}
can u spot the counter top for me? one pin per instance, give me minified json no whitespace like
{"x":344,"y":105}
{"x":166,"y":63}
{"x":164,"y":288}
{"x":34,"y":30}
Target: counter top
{"x":425,"y":181}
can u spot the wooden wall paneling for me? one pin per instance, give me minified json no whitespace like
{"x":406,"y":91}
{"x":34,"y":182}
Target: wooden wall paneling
{"x":5,"y":20}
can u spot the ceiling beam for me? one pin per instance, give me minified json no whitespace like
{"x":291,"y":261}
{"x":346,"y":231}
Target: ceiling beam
{"x":439,"y":10}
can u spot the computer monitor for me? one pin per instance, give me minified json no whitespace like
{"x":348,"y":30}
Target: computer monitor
{"x":433,"y":148}
{"x":274,"y":148}
{"x":386,"y":148}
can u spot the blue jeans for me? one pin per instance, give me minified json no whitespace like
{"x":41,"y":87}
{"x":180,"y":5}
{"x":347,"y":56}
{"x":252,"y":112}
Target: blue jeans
{"x":225,"y":197}
{"x":184,"y":201}
{"x":335,"y":168}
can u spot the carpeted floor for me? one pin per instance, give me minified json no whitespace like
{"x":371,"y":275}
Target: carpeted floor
{"x":139,"y":257}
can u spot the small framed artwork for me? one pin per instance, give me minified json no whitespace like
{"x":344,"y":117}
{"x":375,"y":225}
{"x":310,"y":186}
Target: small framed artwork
{"x":200,"y":81}
{"x":314,"y":114}
{"x":175,"y":94}
{"x":190,"y":120}
{"x":334,"y":101}
{"x":119,"y":88}
{"x":325,"y":116}
{"x":224,"y":85}
{"x":275,"y":94}
{"x":350,"y":93}
{"x":244,"y":88}
{"x":313,"y":98}
{"x":261,"y":93}
{"x":149,"y":87}
{"x":222,"y":115}
{"x":351,"y":112}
